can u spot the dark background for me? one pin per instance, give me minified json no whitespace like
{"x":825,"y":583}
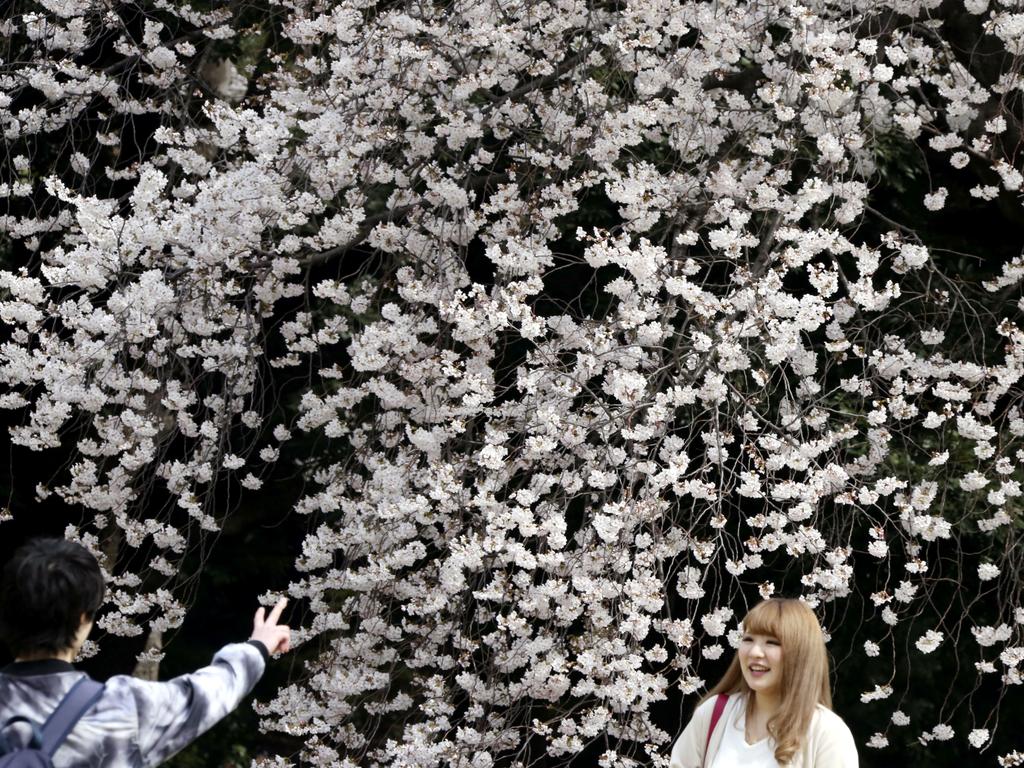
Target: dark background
{"x":256,"y":549}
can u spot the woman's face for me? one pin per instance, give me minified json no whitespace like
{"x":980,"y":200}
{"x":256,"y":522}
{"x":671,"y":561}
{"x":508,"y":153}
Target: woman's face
{"x":761,"y":662}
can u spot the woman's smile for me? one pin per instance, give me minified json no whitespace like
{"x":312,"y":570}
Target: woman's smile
{"x":761,"y":661}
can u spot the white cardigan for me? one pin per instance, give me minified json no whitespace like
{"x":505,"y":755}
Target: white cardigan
{"x":828,"y":743}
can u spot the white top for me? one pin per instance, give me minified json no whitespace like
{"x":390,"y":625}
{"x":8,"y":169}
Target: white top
{"x":734,"y":752}
{"x":828,"y":743}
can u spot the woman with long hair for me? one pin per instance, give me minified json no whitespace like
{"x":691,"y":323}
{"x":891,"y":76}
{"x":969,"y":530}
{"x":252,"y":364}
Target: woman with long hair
{"x":773,"y":707}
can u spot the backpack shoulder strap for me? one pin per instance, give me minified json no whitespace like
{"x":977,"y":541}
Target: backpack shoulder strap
{"x":716,"y":715}
{"x":75,"y":703}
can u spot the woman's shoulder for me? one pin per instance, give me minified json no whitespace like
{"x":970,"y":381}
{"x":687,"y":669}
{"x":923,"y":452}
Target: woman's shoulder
{"x":829,"y":719}
{"x":705,"y":709}
{"x":827,"y":725}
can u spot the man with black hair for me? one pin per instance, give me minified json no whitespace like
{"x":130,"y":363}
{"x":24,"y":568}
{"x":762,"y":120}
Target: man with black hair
{"x":49,"y":595}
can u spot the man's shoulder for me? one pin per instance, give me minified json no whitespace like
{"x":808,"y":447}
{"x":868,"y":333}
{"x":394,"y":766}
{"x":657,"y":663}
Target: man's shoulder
{"x":43,"y":687}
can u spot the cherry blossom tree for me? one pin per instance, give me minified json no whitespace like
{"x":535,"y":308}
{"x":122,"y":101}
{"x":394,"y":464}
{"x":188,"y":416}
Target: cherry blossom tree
{"x":598,"y":315}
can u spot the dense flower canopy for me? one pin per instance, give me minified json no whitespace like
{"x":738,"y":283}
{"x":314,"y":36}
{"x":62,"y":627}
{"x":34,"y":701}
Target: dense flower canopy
{"x":594,"y":313}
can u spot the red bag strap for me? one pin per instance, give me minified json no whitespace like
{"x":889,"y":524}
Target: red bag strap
{"x":716,"y":715}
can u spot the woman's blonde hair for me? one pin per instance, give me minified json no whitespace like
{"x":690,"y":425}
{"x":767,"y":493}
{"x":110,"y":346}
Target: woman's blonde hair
{"x":805,"y":681}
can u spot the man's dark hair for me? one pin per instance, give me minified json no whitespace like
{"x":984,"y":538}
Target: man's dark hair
{"x":47,"y":585}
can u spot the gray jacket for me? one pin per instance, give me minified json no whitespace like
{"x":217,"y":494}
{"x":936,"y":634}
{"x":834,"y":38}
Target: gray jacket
{"x":136,"y":723}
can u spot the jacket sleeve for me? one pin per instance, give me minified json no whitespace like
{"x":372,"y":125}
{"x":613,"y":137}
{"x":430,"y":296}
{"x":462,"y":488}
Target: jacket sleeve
{"x":688,"y":751}
{"x":173,"y":714}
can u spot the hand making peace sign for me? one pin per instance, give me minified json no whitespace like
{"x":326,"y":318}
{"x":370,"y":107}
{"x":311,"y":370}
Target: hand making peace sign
{"x":276,"y":637}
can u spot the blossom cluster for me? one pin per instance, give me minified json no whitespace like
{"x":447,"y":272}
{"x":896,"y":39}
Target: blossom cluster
{"x":594,"y":310}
